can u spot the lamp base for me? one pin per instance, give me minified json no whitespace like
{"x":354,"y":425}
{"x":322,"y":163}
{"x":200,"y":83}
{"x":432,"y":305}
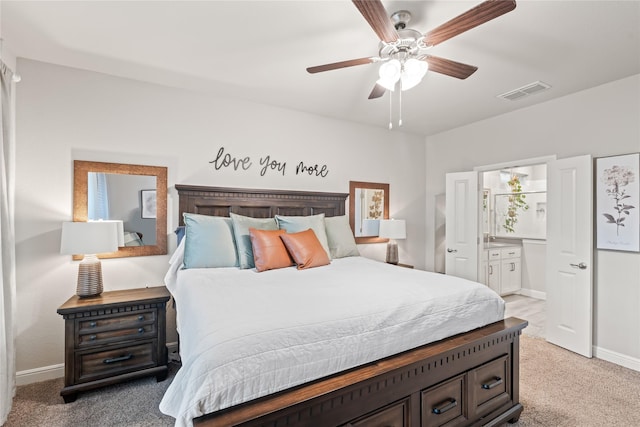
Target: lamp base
{"x":392,"y":252}
{"x":89,"y":277}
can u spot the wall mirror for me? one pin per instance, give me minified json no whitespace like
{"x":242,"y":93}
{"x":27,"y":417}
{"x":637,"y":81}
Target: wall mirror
{"x":368,"y":204}
{"x":133,"y":194}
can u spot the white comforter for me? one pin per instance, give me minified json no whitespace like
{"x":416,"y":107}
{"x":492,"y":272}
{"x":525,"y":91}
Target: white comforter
{"x":245,"y":334}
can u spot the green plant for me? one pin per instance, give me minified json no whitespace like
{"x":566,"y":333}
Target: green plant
{"x":516,"y":201}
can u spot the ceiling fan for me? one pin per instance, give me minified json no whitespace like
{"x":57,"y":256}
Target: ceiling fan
{"x":403,"y":50}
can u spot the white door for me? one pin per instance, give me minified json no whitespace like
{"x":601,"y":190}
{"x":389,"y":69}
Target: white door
{"x":461,"y":226}
{"x":570,"y":254}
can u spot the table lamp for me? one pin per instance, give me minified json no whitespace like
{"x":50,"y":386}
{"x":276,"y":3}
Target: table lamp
{"x":89,"y":239}
{"x":393,"y":229}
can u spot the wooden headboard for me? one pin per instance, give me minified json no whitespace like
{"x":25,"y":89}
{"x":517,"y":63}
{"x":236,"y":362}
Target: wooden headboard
{"x":257,"y":203}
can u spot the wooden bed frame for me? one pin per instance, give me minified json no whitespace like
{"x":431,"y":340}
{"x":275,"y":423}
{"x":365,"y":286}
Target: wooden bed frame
{"x":468,"y":379}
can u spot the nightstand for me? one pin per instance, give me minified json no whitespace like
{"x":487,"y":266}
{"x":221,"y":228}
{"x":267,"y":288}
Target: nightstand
{"x":404,"y":265}
{"x":114,"y":337}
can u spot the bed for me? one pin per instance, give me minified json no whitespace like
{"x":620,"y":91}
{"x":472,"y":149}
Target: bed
{"x":354,"y":342}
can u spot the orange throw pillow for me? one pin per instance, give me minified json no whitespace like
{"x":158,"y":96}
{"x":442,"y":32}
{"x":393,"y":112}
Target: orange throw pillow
{"x":269,"y":252}
{"x":306,"y":249}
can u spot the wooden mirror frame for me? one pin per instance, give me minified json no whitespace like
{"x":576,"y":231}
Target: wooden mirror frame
{"x":81,"y":171}
{"x":353,"y":185}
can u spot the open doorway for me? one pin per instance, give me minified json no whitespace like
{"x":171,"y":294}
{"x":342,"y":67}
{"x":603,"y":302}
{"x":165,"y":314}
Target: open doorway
{"x":512,"y":257}
{"x":568,"y":269}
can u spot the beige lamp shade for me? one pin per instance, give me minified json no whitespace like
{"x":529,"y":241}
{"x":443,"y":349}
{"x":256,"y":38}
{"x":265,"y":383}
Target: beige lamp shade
{"x":393,"y":229}
{"x":94,"y":237}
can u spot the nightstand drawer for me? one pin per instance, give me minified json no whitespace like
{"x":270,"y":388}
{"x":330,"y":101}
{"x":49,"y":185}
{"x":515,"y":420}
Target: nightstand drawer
{"x":107,"y":363}
{"x":116,"y":328}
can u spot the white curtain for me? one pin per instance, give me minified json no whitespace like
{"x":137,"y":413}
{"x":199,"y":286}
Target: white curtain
{"x":98,"y":196}
{"x":7,"y":249}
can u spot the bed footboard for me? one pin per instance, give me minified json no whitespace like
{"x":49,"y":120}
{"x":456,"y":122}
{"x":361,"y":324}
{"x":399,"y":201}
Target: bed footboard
{"x":467,"y":379}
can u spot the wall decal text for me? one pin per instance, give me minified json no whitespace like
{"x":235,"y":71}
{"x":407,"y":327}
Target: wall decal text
{"x":268,"y":165}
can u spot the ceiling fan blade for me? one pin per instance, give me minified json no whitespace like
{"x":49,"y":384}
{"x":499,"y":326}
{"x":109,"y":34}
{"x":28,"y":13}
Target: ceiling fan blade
{"x":478,"y":15}
{"x":377,"y":92}
{"x":449,"y":67}
{"x":378,"y":18}
{"x":342,"y":64}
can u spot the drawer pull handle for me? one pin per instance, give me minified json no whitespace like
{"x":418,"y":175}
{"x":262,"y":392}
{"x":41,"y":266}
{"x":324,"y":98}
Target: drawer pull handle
{"x":443,"y":407}
{"x":92,"y":337}
{"x":93,"y":324}
{"x":118,"y":359}
{"x":141,"y":317}
{"x":496,"y":382}
{"x":141,"y":330}
{"x":451,"y":251}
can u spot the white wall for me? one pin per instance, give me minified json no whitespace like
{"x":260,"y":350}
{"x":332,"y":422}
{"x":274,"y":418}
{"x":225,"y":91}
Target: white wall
{"x":601,"y":121}
{"x":65,"y":114}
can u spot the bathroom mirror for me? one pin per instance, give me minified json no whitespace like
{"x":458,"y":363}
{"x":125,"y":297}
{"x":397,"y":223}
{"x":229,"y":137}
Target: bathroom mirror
{"x":368,"y":204}
{"x":133,"y":194}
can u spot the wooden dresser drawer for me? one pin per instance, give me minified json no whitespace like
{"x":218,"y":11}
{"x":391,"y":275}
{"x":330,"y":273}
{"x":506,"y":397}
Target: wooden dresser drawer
{"x":115,"y":328}
{"x":443,"y":405}
{"x":489,"y":386}
{"x":107,"y":363}
{"x":395,"y":415}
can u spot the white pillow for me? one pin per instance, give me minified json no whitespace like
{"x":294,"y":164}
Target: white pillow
{"x":295,"y":224}
{"x":340,"y":237}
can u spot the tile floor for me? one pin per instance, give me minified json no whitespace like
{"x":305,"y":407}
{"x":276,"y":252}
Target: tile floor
{"x":530,"y":309}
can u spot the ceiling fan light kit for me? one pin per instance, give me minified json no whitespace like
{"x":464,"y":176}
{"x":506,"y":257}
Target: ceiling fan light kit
{"x":402,"y":50}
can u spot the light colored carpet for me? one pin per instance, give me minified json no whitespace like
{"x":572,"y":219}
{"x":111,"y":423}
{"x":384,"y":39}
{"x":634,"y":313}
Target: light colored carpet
{"x":557,"y":388}
{"x":561,"y":388}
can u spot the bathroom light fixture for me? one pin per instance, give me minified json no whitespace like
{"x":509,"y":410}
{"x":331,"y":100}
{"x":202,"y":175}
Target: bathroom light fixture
{"x":393,"y":229}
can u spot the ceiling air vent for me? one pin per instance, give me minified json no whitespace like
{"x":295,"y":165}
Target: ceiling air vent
{"x":521,"y":92}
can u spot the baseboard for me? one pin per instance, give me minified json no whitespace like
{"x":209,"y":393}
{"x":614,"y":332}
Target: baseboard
{"x":36,"y":375}
{"x":30,"y":376}
{"x":617,"y":358}
{"x":533,"y":294}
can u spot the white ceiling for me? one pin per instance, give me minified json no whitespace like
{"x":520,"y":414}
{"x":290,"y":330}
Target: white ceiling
{"x":259,"y":50}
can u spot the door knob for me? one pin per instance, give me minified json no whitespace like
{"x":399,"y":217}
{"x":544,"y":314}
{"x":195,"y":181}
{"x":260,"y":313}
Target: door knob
{"x":451,"y":251}
{"x":581,"y":266}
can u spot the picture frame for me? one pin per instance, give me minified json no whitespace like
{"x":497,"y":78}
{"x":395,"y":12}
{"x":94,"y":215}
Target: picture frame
{"x":618,"y":202}
{"x":148,"y":204}
{"x":368,"y":204}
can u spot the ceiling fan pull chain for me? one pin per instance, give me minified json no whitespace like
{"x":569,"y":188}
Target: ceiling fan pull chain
{"x":390,"y":109}
{"x":400,"y":108}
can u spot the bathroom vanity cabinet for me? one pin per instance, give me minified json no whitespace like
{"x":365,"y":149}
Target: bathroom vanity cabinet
{"x":502,"y":268}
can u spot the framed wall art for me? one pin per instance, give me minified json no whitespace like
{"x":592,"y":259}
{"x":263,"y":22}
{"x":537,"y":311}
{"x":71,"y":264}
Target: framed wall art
{"x":148,"y":203}
{"x":618,"y":202}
